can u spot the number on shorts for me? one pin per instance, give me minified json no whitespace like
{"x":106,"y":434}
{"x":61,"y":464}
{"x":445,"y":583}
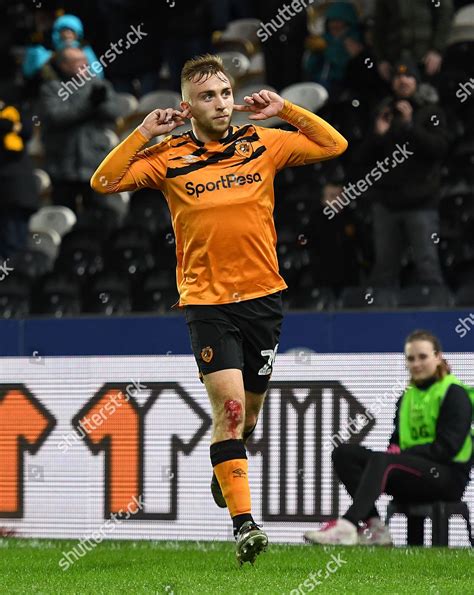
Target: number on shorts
{"x":268,"y":367}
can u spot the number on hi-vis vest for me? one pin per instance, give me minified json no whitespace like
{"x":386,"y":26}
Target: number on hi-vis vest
{"x":27,"y":433}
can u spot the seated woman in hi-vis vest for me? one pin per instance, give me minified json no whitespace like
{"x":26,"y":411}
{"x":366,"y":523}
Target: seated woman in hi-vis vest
{"x":429,"y":456}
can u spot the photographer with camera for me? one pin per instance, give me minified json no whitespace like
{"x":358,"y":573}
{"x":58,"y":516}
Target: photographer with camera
{"x":405,"y":196}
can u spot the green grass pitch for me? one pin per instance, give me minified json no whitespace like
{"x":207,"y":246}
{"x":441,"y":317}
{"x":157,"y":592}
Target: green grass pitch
{"x":177,"y":568}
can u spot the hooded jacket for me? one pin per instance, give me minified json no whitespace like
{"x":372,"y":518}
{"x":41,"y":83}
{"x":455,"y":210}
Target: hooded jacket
{"x":331,"y":64}
{"x":38,"y":56}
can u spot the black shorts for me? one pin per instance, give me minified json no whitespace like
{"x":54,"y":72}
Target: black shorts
{"x":241,"y":335}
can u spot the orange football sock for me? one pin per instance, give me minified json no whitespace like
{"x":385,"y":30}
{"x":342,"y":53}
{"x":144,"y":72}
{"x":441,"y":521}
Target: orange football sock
{"x":233,"y":478}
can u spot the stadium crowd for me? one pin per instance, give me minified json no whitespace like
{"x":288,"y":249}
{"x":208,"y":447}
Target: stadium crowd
{"x":389,"y":224}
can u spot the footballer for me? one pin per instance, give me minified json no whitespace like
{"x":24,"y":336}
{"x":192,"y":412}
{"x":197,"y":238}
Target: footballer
{"x":218,"y":182}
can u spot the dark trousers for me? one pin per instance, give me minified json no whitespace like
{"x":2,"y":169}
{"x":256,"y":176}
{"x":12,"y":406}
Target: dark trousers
{"x":393,"y":230}
{"x":69,"y":193}
{"x":13,"y":231}
{"x":367,"y":474}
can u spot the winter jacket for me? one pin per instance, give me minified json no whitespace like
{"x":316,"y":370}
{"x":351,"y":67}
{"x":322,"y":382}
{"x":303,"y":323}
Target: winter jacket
{"x":38,"y":56}
{"x":74,"y":130}
{"x":331,"y":64}
{"x":410,"y":155}
{"x":410,"y":28}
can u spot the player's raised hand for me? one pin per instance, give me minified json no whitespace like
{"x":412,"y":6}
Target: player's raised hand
{"x":163,"y":121}
{"x":264,"y":104}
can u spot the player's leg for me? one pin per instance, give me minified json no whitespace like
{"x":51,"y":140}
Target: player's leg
{"x":253,"y":405}
{"x":229,"y":459}
{"x":228,"y":455}
{"x":217,"y":346}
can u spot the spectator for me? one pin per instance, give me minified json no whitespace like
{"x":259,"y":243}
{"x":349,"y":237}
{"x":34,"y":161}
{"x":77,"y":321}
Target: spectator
{"x":282,"y":43}
{"x":20,"y":196}
{"x":67,"y":32}
{"x":411,"y":29}
{"x":75,"y":128}
{"x":333,"y":243}
{"x":407,"y":143}
{"x":432,"y":431}
{"x":331,"y":53}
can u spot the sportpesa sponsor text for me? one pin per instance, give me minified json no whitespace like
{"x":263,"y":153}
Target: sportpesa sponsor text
{"x":228,"y":181}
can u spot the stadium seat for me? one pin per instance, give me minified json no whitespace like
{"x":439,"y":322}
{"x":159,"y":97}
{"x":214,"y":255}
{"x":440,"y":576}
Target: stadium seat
{"x":119,"y":203}
{"x":241,"y":118}
{"x":127,"y":104}
{"x":367,"y":297}
{"x":15,"y":296}
{"x":158,"y":100}
{"x":80,"y":255}
{"x":32,"y":263}
{"x":57,"y":294}
{"x":439,"y":512}
{"x":112,"y":137}
{"x":462,"y":27}
{"x":317,"y":299}
{"x":58,"y":218}
{"x":311,"y":96}
{"x":46,"y":241}
{"x":43,"y":181}
{"x":235,"y":63}
{"x":108,"y":294}
{"x":241,"y":34}
{"x":425,"y":296}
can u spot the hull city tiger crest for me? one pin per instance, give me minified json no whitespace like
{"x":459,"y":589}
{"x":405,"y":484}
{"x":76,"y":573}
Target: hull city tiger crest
{"x":244,"y":148}
{"x":207,"y":354}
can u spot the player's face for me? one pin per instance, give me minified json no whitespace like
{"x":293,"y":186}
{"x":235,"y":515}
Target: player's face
{"x":211,"y":102}
{"x":422,"y":360}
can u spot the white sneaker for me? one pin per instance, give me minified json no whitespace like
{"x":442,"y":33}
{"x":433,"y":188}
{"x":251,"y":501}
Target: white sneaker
{"x":336,"y":532}
{"x":375,"y":532}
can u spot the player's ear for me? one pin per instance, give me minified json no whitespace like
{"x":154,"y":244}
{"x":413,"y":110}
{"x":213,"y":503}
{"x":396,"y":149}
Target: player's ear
{"x":185,"y":105}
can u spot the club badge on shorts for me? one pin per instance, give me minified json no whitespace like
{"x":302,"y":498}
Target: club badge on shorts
{"x":243,"y":148}
{"x":207,"y":354}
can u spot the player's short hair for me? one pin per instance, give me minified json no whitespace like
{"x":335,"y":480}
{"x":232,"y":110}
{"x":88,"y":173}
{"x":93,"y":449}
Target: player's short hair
{"x":424,"y":335}
{"x":200,"y":68}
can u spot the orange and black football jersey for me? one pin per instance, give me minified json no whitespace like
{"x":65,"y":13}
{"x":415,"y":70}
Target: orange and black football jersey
{"x":220,"y":195}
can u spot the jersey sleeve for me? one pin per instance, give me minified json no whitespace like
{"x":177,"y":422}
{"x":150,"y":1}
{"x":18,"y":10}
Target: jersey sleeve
{"x":129,"y":168}
{"x":315,"y":140}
